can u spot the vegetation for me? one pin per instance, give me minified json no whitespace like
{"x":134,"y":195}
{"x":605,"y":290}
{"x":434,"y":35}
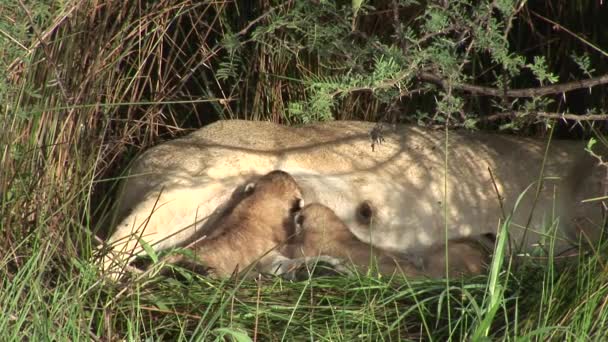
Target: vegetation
{"x":85,"y":85}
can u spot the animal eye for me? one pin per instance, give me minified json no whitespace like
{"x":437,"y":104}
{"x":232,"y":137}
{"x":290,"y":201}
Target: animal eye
{"x":300,"y":219}
{"x":249,"y":188}
{"x":365,"y":212}
{"x":296,"y":205}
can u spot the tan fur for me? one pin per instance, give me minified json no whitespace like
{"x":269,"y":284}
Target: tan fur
{"x":182,"y":183}
{"x":258,"y":225}
{"x":321,"y":232}
{"x":465,"y":256}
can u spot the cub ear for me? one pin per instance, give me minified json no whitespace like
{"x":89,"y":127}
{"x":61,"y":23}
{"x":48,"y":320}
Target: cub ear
{"x":249,"y":188}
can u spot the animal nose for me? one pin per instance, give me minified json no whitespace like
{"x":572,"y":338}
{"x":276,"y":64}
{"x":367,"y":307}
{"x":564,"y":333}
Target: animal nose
{"x":365,"y":212}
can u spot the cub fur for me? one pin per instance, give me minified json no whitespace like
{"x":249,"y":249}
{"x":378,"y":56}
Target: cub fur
{"x":321,"y":232}
{"x":466,"y":256}
{"x":254,"y":230}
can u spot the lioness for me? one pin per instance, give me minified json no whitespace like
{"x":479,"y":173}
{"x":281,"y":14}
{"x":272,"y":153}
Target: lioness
{"x":176,"y":190}
{"x":254,"y":230}
{"x":319,"y":231}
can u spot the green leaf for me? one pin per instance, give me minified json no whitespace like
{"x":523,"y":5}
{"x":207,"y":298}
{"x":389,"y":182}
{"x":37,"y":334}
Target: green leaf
{"x":590,"y":144}
{"x":356,"y":4}
{"x":149,"y":250}
{"x":238,"y":336}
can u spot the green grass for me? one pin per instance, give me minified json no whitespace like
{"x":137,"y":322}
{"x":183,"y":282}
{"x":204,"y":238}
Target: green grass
{"x":61,"y":298}
{"x":103,"y":86}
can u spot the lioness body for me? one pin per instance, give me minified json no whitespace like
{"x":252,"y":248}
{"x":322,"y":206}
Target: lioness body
{"x":177,"y":188}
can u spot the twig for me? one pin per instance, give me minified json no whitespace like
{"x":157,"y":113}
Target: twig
{"x":540,"y":183}
{"x":46,"y":51}
{"x":257,"y":308}
{"x":524,"y":92}
{"x":500,"y":202}
{"x":382,"y":85}
{"x":397,"y":26}
{"x":262,"y":17}
{"x":498,"y":195}
{"x":557,"y":26}
{"x":546,"y":115}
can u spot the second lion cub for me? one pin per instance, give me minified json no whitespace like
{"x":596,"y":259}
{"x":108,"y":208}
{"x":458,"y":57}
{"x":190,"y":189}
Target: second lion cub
{"x":321,"y":232}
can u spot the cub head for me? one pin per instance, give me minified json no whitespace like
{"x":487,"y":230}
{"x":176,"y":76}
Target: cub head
{"x":276,"y":188}
{"x":316,"y":218}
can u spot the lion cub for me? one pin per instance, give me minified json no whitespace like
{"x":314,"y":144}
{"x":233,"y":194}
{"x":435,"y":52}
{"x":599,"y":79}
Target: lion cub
{"x":321,"y":232}
{"x":466,"y":256}
{"x":253,"y":231}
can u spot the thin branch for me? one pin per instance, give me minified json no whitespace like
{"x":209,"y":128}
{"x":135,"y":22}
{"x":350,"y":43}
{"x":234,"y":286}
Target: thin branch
{"x":546,"y":115}
{"x":219,"y":47}
{"x":382,"y":85}
{"x":262,"y":17}
{"x":46,"y":51}
{"x":557,"y":26}
{"x":524,"y":92}
{"x":397,"y":26}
